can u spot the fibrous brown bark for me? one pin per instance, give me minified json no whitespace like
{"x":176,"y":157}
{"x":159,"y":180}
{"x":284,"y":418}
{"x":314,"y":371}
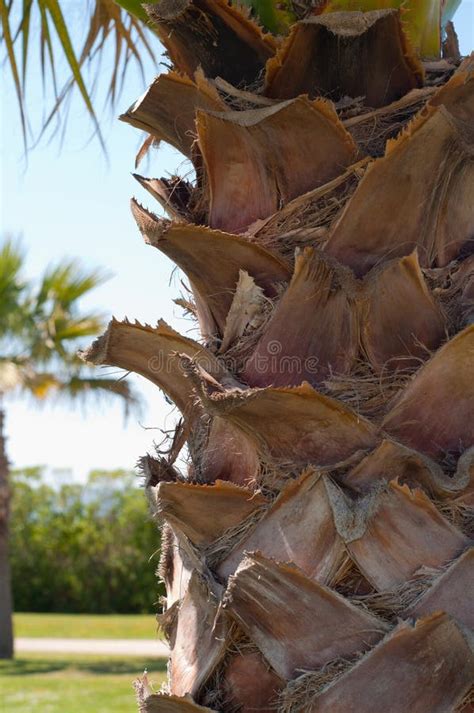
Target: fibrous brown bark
{"x":317,"y":554}
{"x":346,"y":54}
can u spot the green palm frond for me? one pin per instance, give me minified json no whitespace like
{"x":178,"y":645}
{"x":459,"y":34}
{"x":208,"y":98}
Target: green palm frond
{"x":274,"y":16}
{"x":42,"y":327}
{"x":135,"y":8}
{"x":11,"y":263}
{"x":11,"y":286}
{"x":57,"y":323}
{"x":46,"y":26}
{"x":78,"y":388}
{"x":71,"y":329}
{"x":66,"y":282}
{"x":83,"y":389}
{"x":75,"y":387}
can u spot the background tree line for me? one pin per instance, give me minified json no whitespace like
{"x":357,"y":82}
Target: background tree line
{"x":89,"y":548}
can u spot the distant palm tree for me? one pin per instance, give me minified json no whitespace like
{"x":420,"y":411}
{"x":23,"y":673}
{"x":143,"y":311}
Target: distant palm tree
{"x":40,"y":326}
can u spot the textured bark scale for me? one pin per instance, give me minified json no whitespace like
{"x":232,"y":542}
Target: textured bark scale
{"x":318,"y":552}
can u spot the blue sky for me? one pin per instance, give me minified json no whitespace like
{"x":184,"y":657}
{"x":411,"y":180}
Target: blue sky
{"x":69,"y":201}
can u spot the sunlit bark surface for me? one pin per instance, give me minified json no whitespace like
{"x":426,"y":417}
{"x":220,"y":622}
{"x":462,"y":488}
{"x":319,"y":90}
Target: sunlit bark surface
{"x":317,"y":551}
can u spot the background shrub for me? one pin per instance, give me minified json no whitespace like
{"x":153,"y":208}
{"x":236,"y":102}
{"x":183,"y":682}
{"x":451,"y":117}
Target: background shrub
{"x":85,"y":548}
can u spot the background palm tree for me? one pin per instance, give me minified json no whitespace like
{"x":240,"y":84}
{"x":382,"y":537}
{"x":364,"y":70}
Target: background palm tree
{"x":41,"y":327}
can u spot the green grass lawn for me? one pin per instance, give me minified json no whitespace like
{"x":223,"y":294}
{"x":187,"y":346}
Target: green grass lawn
{"x":86,"y":626}
{"x":73,"y":684}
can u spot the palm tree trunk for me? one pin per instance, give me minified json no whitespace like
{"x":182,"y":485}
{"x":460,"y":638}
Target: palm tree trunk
{"x":6,"y":602}
{"x":317,"y":555}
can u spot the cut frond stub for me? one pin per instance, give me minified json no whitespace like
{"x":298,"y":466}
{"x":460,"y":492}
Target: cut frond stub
{"x":151,"y":352}
{"x":398,"y":674}
{"x":213,"y":35}
{"x":431,"y":209}
{"x":276,"y":154}
{"x":204,"y":512}
{"x":323,"y":626}
{"x":433,"y":414}
{"x":299,"y":528}
{"x":346,"y":54}
{"x":212,"y":261}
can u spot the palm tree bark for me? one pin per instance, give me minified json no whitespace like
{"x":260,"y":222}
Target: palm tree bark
{"x":6,"y":602}
{"x":338,"y":381}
